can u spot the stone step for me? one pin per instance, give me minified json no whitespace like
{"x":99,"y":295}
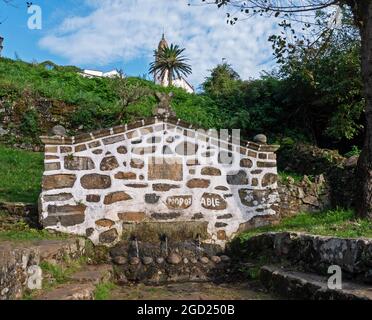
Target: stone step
{"x":81,"y":284}
{"x":74,"y":291}
{"x":299,"y":285}
{"x":94,"y":274}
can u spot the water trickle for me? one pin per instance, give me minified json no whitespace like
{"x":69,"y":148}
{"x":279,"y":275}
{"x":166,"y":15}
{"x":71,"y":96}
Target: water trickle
{"x":198,"y":244}
{"x":164,"y":240}
{"x":135,"y":241}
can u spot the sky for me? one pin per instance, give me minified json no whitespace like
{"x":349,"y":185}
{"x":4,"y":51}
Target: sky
{"x":122,"y":34}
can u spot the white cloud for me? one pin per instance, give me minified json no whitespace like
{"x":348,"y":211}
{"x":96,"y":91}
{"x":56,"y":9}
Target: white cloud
{"x":118,"y":30}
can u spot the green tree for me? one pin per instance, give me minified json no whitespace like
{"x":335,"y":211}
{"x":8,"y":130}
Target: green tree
{"x":170,"y":61}
{"x":299,"y":10}
{"x":223,"y":79}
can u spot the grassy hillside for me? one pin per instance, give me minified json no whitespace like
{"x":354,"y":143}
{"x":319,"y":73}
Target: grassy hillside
{"x":34,"y":97}
{"x":20,"y":175}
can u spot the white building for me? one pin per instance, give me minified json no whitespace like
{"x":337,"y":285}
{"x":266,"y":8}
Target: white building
{"x":99,"y":74}
{"x":180,"y":82}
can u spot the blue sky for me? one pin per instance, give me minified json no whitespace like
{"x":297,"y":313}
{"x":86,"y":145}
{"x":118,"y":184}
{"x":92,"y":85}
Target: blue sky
{"x":109,"y":34}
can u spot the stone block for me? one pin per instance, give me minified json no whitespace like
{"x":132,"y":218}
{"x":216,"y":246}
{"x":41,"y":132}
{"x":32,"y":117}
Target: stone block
{"x":58,"y":181}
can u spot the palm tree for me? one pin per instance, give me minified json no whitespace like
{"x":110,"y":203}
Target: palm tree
{"x":170,"y":62}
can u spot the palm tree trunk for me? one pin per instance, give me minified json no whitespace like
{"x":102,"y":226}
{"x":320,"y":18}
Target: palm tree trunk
{"x":363,"y":16}
{"x":170,"y":78}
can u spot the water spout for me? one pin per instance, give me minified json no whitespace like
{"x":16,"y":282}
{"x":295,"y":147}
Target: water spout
{"x":135,"y":240}
{"x":164,"y":239}
{"x":198,"y":243}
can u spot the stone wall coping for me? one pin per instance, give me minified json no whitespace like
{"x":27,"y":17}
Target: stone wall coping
{"x":101,"y":133}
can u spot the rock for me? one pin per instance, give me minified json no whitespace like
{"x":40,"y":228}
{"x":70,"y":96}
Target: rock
{"x":143,"y":150}
{"x":93,"y":198}
{"x":147,"y":260}
{"x":3,"y":131}
{"x":179,"y":202}
{"x":137,"y":163}
{"x":252,"y":198}
{"x":269,"y":179}
{"x":109,"y":163}
{"x":159,"y":260}
{"x":58,"y":181}
{"x":81,"y":147}
{"x":260,"y":138}
{"x":220,"y":224}
{"x":95,"y":181}
{"x":116,"y":197}
{"x":198,"y":183}
{"x":151,"y":198}
{"x":120,"y":260}
{"x":59,"y":130}
{"x":210,"y":171}
{"x":165,"y":216}
{"x":125,"y":175}
{"x":174,"y":258}
{"x":194,"y":261}
{"x":216,"y":259}
{"x":197,"y":216}
{"x":58,"y":197}
{"x":237,"y":179}
{"x":204,"y":260}
{"x":246,"y":163}
{"x":351,"y":162}
{"x":78,"y":163}
{"x":52,"y":166}
{"x":121,"y":279}
{"x":311,"y":200}
{"x":225,"y":258}
{"x":112,"y":140}
{"x":164,"y":187}
{"x":122,"y":150}
{"x":225,"y":216}
{"x":213,"y":201}
{"x":221,"y":235}
{"x":134,"y":261}
{"x":105,"y":223}
{"x":185,"y":260}
{"x":89,"y":232}
{"x":132,"y":216}
{"x":108,"y":236}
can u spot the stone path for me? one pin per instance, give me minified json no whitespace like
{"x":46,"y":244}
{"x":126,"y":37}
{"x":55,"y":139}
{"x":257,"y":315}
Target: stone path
{"x":301,"y":285}
{"x":192,"y":291}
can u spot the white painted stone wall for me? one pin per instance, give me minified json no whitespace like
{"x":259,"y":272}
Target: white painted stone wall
{"x":94,"y":183}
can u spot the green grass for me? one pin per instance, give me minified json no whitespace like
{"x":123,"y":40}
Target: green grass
{"x":95,"y":99}
{"x":284,"y":175}
{"x":103,"y":290}
{"x":339,"y":223}
{"x":20,"y":175}
{"x":20,"y":231}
